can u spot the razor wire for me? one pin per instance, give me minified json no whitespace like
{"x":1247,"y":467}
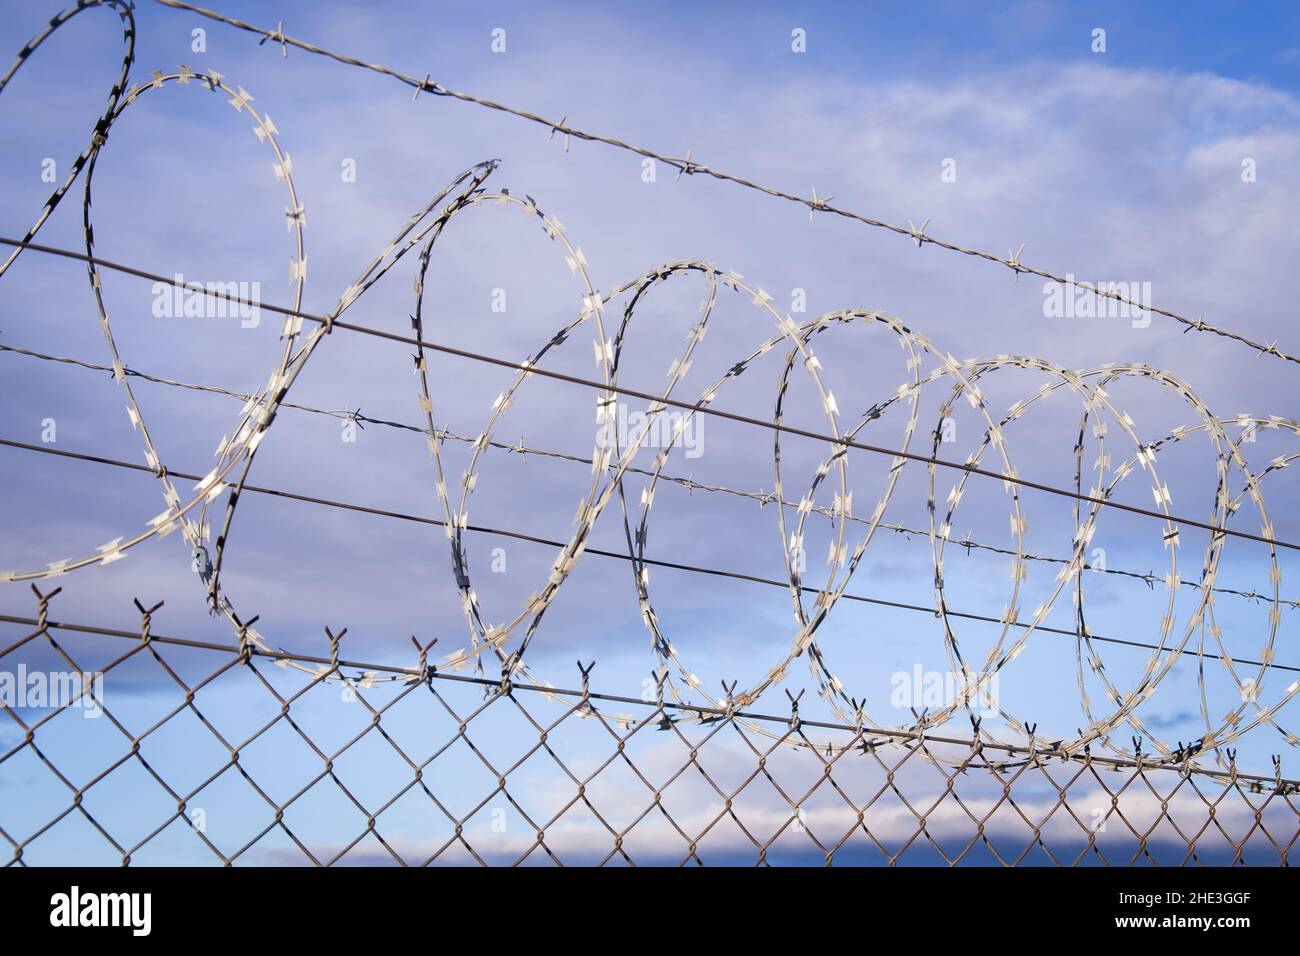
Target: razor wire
{"x":1266,"y":535}
{"x":830,"y":684}
{"x":860,"y":779}
{"x":688,"y":166}
{"x":236,"y":451}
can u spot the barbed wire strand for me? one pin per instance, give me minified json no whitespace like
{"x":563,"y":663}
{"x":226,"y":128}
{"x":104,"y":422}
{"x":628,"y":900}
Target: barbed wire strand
{"x":691,"y":167}
{"x":599,"y":552}
{"x":762,"y":498}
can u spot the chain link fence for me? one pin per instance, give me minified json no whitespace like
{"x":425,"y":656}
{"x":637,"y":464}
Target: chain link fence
{"x":147,"y":748}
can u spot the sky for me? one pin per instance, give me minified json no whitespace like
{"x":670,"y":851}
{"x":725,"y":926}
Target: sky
{"x":994,"y":128}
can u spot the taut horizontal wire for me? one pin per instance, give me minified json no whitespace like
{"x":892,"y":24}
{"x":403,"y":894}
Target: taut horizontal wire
{"x":536,"y":539}
{"x":690,"y":167}
{"x":666,"y":400}
{"x":763,"y":498}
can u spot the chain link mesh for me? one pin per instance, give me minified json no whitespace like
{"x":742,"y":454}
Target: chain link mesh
{"x":339,"y":762}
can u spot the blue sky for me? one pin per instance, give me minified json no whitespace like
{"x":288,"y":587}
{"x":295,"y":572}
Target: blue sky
{"x":1122,"y":166}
